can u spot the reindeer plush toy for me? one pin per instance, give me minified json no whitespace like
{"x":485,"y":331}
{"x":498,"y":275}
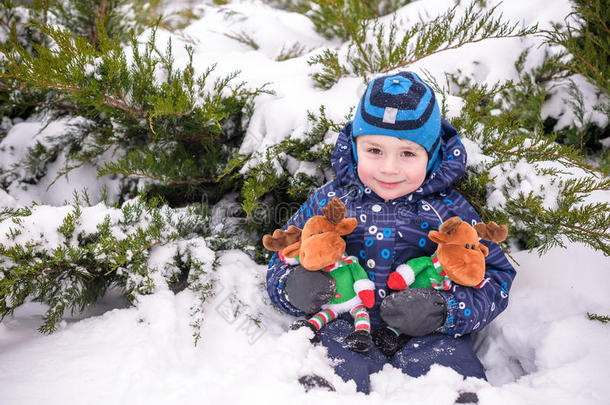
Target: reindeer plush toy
{"x":320,"y":247}
{"x":459,"y":258}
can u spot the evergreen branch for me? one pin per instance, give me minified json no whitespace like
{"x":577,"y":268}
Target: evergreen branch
{"x":244,"y":38}
{"x":83,"y":162}
{"x":425,"y":38}
{"x":6,"y":24}
{"x":136,"y":253}
{"x":85,"y":264}
{"x":451,"y":47}
{"x":99,"y":20}
{"x":598,"y":17}
{"x":587,"y":231}
{"x":121,"y":104}
{"x":591,"y":67}
{"x":171,"y":181}
{"x":109,"y":101}
{"x":600,"y":318}
{"x":541,"y":153}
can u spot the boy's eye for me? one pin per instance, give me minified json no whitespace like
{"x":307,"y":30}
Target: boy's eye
{"x":374,"y":151}
{"x":408,"y":153}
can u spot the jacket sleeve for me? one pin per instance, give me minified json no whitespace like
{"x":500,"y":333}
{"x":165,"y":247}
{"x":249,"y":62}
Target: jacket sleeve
{"x":278,"y":270}
{"x":469,"y":309}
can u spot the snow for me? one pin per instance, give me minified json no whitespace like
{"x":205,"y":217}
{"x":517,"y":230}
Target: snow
{"x":542,"y":350}
{"x":49,"y":190}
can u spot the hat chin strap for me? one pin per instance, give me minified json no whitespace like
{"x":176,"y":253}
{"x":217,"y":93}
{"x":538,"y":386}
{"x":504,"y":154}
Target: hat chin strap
{"x":354,"y":151}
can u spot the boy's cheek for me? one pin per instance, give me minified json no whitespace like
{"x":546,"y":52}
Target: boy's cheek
{"x":364,"y":174}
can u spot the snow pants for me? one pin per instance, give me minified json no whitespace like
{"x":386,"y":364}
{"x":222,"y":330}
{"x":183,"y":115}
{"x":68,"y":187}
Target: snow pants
{"x":414,"y":359}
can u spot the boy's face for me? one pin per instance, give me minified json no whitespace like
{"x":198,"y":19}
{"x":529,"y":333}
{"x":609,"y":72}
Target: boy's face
{"x":391,"y":167}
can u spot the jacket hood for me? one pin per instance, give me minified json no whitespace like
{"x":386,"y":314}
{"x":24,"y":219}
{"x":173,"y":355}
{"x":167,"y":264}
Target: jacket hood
{"x":450,"y":169}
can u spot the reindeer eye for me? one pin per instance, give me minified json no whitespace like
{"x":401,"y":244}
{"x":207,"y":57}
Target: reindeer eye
{"x":321,"y":232}
{"x":467,"y":246}
{"x":472,"y":246}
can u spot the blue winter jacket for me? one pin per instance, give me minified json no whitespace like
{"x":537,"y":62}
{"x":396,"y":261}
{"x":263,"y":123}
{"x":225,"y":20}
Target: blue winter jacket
{"x":391,"y":232}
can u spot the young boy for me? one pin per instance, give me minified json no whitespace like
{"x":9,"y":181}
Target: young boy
{"x":395,"y":164}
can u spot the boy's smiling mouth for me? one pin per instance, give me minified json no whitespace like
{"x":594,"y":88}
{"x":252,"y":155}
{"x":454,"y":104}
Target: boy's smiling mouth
{"x":389,"y":185}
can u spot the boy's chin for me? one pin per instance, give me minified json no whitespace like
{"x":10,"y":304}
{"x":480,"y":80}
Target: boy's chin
{"x":390,"y":195}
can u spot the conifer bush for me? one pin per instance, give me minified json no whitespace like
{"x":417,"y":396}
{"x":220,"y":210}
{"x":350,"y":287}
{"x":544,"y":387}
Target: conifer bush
{"x":93,"y":248}
{"x":376,"y":47}
{"x":344,"y":18}
{"x":133,"y":114}
{"x":170,"y":130}
{"x":526,"y":179}
{"x":504,"y":120}
{"x":172,"y":138}
{"x":584,"y":40}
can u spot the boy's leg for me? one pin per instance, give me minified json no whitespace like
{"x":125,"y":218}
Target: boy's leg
{"x":416,"y":357}
{"x":350,"y":365}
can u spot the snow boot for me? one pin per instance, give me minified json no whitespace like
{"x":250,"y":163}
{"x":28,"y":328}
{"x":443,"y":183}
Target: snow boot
{"x":359,"y":341}
{"x":303,"y":323}
{"x":467,"y":398}
{"x":388,"y":341}
{"x":312,"y":381}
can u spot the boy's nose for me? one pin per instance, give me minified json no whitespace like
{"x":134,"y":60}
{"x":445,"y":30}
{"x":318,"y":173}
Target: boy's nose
{"x":389,"y":166}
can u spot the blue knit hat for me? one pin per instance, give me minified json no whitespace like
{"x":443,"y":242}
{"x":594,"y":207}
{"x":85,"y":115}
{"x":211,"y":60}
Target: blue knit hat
{"x":403,"y":106}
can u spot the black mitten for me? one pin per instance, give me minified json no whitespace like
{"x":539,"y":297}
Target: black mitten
{"x":308,"y":290}
{"x":414,"y":311}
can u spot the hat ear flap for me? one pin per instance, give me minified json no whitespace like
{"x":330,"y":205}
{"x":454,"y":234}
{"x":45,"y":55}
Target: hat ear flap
{"x":354,"y":149}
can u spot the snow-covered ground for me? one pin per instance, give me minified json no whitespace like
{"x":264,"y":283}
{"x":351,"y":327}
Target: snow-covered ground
{"x":542,"y":350}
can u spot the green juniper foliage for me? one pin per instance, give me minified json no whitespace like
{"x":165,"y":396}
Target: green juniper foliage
{"x":244,"y":38}
{"x":169,"y":132}
{"x":74,"y":267}
{"x":600,"y":318}
{"x":344,"y":18}
{"x":19,"y":24}
{"x":585,"y":39}
{"x":271,"y":192}
{"x":535,"y":87}
{"x":538,"y":218}
{"x":504,"y":119}
{"x":376,"y":47}
{"x":138,"y":107}
{"x":290,"y":52}
{"x":14,"y":101}
{"x":133,"y":113}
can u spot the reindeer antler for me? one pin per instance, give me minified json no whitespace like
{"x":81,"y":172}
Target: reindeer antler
{"x":450,"y":225}
{"x":335,"y":211}
{"x":281,"y":239}
{"x":492,"y":231}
